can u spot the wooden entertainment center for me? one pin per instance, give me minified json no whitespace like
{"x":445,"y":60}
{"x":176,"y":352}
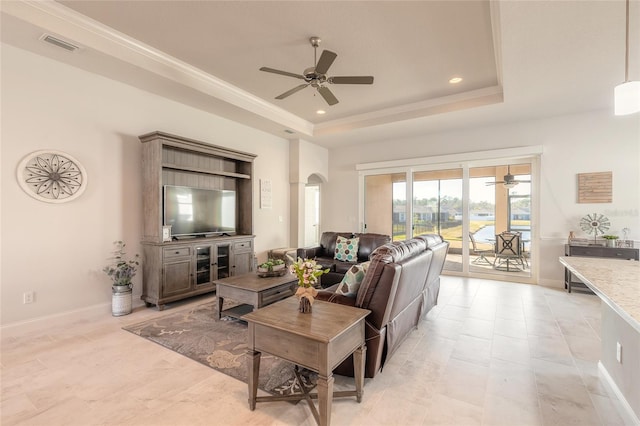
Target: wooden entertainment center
{"x":177,"y":269}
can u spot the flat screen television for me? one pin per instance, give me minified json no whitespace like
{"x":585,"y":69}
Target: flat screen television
{"x":199,"y":212}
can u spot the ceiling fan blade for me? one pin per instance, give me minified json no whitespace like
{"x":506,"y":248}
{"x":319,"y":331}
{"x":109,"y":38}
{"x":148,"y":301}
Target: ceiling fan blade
{"x":325,"y":61}
{"x":286,"y":73}
{"x":327,"y":95}
{"x":362,"y":79}
{"x":292,"y":91}
{"x":494,"y":183}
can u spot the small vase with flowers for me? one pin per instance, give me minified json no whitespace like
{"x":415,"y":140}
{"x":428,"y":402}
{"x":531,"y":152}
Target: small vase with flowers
{"x":308,"y":272}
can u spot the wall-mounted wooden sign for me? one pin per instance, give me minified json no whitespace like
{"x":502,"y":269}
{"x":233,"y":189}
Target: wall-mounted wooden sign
{"x":595,"y":187}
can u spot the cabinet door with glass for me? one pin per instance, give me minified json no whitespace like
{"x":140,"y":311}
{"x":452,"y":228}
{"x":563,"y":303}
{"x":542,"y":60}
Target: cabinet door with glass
{"x":204,"y":265}
{"x":221,"y":261}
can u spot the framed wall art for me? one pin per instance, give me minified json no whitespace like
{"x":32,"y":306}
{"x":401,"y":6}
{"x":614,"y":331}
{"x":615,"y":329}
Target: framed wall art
{"x":265,"y":193}
{"x":595,"y":187}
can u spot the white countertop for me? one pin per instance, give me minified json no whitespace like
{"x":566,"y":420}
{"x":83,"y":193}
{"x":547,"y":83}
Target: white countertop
{"x":615,"y":281}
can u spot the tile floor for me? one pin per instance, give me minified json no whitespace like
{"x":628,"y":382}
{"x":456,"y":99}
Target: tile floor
{"x":491,"y":353}
{"x":454,"y":264}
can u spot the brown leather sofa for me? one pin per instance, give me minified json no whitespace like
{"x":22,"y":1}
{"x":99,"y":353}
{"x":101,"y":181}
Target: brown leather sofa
{"x":400,"y":286}
{"x":324,"y":253}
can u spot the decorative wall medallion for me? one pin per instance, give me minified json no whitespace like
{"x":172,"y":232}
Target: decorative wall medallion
{"x":52,"y":176}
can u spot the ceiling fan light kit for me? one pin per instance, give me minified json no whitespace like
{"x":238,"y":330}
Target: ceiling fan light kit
{"x":316,"y":76}
{"x":509,"y":181}
{"x":627,"y":94}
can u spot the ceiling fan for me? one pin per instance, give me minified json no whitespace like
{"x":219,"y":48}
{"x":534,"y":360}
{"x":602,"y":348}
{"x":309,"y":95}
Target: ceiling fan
{"x":509,"y":180}
{"x":316,"y":76}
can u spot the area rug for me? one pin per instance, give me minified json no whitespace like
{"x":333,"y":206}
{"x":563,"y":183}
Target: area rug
{"x":197,"y":333}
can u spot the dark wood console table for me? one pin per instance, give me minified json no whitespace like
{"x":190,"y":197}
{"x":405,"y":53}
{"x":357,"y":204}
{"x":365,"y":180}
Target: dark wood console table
{"x":595,"y":251}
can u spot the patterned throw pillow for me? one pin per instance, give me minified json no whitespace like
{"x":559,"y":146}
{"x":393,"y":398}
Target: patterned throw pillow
{"x":352,"y":279}
{"x":347,"y":249}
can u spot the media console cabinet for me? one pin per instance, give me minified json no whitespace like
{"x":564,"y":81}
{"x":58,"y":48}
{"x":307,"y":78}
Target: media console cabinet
{"x":174,"y":270}
{"x":180,"y":269}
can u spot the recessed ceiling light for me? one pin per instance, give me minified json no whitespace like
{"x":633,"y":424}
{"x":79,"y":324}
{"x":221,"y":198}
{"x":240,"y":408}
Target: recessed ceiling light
{"x":321,"y":111}
{"x":455,"y":80}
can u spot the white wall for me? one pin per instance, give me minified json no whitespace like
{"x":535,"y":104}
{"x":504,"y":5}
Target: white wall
{"x":312,"y":159}
{"x":590,"y":142}
{"x":305,"y":159}
{"x":59,"y":250}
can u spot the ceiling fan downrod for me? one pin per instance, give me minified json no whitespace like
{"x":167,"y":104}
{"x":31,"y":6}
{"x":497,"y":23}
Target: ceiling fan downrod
{"x":315,"y":42}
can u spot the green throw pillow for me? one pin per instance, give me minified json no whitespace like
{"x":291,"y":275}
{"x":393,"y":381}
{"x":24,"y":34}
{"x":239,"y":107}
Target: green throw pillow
{"x":347,"y":249}
{"x":352,"y":279}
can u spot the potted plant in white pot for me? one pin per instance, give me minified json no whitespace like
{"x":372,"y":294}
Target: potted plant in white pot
{"x":121,"y":271}
{"x":611,"y":240}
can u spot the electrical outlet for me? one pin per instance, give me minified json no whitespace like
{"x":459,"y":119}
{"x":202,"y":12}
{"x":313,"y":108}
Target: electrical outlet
{"x":619,"y":352}
{"x":28,"y":297}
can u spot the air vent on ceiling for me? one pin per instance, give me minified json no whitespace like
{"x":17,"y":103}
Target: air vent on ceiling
{"x":60,"y":43}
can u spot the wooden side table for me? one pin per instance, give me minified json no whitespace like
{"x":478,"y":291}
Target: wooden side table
{"x":318,"y":341}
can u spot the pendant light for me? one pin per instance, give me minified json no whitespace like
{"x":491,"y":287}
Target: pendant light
{"x":627,"y":94}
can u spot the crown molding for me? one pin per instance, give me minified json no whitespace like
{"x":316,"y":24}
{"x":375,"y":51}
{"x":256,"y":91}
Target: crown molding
{"x":460,"y":101}
{"x":90,"y":34}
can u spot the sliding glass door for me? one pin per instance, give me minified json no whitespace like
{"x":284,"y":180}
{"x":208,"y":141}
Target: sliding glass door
{"x":482,"y":218}
{"x":469,"y":206}
{"x":385,"y":204}
{"x":437,"y":208}
{"x":499,"y":202}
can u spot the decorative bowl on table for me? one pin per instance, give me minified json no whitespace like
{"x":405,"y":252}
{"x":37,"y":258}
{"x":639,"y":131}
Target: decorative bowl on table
{"x":272,"y":268}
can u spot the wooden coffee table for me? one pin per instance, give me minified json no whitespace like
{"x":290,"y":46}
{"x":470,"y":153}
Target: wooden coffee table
{"x":253,"y":292}
{"x":318,"y":341}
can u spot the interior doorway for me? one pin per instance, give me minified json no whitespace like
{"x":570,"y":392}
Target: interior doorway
{"x":311,"y":214}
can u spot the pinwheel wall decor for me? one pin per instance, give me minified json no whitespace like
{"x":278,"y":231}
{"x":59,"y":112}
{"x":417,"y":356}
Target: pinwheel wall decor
{"x":52,"y":176}
{"x":595,"y":224}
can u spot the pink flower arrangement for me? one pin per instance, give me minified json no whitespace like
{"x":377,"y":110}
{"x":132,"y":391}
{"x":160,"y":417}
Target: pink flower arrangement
{"x":307,"y":271}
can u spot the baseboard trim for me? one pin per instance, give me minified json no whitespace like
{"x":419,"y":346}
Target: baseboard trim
{"x":39,"y":323}
{"x":628,"y":414}
{"x":551,"y":283}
